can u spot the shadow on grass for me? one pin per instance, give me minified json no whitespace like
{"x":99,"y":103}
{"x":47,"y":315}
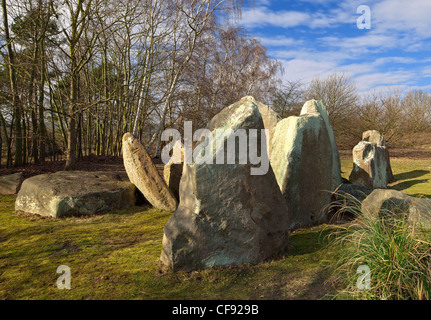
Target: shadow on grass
{"x":411,"y":174}
{"x":302,"y":243}
{"x":407,"y":184}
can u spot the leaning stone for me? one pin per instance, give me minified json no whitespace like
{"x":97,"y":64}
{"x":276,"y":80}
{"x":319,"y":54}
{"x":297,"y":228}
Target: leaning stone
{"x":74,"y":193}
{"x":226,"y":215}
{"x":302,"y":161}
{"x":370,"y":165}
{"x":144,"y":175}
{"x":314,"y":106}
{"x":10,"y":184}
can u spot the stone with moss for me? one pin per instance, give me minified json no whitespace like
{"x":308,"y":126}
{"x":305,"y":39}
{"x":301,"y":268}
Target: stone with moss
{"x":143,"y":173}
{"x":315,"y":106}
{"x":226,"y":214}
{"x":302,"y":161}
{"x":74,"y":193}
{"x":11,"y":183}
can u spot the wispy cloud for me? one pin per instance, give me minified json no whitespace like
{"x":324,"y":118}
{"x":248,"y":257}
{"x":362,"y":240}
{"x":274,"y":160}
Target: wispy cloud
{"x":317,"y":37}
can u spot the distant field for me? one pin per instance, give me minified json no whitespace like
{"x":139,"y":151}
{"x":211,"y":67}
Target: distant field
{"x":412,"y":176}
{"x":115,"y":256}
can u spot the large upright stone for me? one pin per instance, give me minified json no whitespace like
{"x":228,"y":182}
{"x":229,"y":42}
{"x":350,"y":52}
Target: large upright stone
{"x":226,"y":215}
{"x":314,"y":106}
{"x":144,"y":175}
{"x":371,"y":166}
{"x":74,"y":193}
{"x":10,"y":184}
{"x":270,"y":118}
{"x":302,"y":161}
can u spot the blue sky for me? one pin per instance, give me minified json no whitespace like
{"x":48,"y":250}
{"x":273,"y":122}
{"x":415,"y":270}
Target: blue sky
{"x":317,"y":37}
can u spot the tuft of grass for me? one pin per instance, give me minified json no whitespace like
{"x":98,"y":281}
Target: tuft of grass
{"x":396,"y":252}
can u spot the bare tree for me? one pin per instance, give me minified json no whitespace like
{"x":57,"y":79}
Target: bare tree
{"x":192,"y":18}
{"x":339,"y":94}
{"x":288,"y":99}
{"x":14,"y":88}
{"x":383,"y":111}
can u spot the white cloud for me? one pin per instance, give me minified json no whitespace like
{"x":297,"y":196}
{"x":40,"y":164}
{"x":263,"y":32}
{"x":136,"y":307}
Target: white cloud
{"x":373,"y":58}
{"x":403,"y":16}
{"x":262,"y":16}
{"x":280,"y":41}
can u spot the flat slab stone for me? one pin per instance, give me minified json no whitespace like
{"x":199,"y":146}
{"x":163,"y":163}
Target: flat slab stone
{"x":144,"y":175}
{"x":10,"y":184}
{"x":74,"y":193}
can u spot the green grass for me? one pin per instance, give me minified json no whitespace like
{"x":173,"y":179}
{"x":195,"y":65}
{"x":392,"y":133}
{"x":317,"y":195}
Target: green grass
{"x":396,"y":253}
{"x":412,"y":176}
{"x":116,"y":256}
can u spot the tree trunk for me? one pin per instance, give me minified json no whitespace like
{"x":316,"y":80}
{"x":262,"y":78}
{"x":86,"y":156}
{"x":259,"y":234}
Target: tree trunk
{"x":14,"y":90}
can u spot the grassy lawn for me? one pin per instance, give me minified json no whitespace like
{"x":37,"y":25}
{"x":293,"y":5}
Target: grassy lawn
{"x":412,"y":176}
{"x":115,"y":256}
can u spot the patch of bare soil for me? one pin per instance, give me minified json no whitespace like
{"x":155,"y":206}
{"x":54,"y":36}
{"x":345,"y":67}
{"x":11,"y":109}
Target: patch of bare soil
{"x":88,"y":163}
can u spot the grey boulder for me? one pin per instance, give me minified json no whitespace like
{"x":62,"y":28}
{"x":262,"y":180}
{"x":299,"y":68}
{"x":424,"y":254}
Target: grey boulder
{"x":144,"y":175}
{"x":370,"y":165}
{"x":388,"y":203}
{"x":226,"y":214}
{"x":74,"y":193}
{"x":10,"y":184}
{"x":302,"y":160}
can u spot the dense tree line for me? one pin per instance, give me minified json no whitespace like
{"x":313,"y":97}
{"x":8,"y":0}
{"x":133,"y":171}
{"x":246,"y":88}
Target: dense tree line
{"x":77,"y":74}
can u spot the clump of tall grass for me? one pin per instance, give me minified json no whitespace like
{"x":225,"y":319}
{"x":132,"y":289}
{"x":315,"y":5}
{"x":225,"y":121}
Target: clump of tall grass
{"x":396,"y":252}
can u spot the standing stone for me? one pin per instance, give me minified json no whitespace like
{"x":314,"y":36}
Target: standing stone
{"x":375,"y":137}
{"x":173,"y":170}
{"x":314,"y":106}
{"x":302,"y":161}
{"x":226,"y":215}
{"x":371,"y":163}
{"x":74,"y":193}
{"x":270,"y":119}
{"x":144,"y":175}
{"x":10,"y":184}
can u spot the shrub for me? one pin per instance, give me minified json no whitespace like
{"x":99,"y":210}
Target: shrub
{"x":397,"y":253}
